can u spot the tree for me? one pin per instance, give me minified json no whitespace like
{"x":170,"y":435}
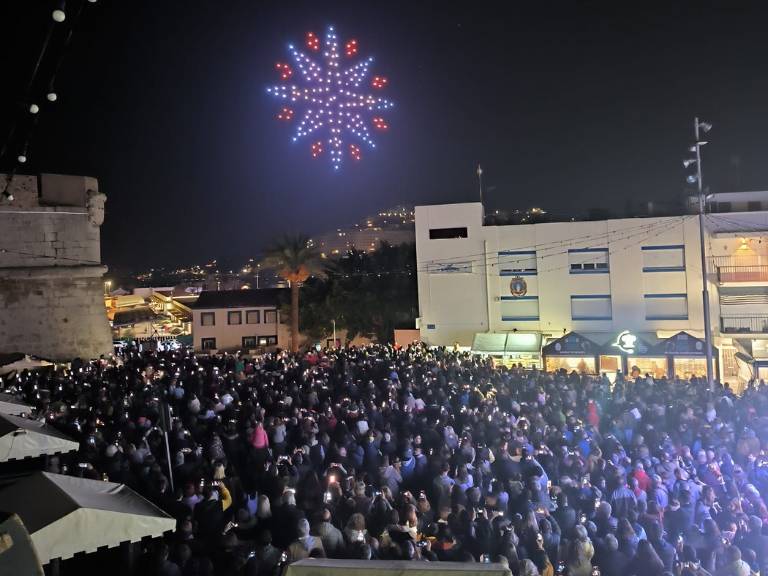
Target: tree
{"x":369,"y":294}
{"x":294,"y":260}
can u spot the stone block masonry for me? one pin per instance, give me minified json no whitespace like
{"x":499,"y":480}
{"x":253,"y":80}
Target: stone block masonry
{"x":51,"y":277}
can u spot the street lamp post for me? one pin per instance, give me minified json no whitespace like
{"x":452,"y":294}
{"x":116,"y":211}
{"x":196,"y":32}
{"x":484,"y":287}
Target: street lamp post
{"x":334,"y":333}
{"x":698,"y":128}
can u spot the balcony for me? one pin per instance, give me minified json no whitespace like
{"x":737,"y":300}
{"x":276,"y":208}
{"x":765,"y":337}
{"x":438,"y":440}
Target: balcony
{"x":755,"y":324}
{"x":746,"y":274}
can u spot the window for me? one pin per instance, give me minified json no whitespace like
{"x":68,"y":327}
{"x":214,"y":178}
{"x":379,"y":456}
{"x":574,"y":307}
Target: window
{"x":666,"y":307}
{"x":267,"y":340}
{"x":270,"y":316}
{"x":208,"y":319}
{"x":519,"y":309}
{"x":588,"y":260}
{"x":208,"y":343}
{"x":249,"y":342}
{"x":686,"y":368}
{"x":663,"y":258}
{"x":235,"y":317}
{"x":253,"y":317}
{"x":722,"y":206}
{"x":754,"y":206}
{"x":591,"y":307}
{"x":582,"y":365}
{"x":656,"y":367}
{"x":517,"y":263}
{"x":447,"y":233}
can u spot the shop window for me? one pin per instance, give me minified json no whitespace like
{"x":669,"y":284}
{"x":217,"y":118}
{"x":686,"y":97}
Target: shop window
{"x":519,"y":308}
{"x":640,"y":366}
{"x":686,"y":368}
{"x":208,"y":319}
{"x":235,"y":317}
{"x":447,"y":233}
{"x":591,"y":307}
{"x":249,"y":342}
{"x":267,"y":340}
{"x":588,"y":260}
{"x":582,"y":365}
{"x":208,"y":343}
{"x":610,"y":363}
{"x":666,"y":307}
{"x":663,"y":258}
{"x":270,"y":316}
{"x":253,"y":317}
{"x":513,"y":263}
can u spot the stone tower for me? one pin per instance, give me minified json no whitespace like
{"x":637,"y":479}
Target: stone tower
{"x":51,"y":276}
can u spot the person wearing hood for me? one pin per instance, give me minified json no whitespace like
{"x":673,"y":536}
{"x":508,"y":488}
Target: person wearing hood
{"x":306,"y":544}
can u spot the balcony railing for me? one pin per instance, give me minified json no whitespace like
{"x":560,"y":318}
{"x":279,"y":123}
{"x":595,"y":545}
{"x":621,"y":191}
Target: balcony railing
{"x":757,"y":324}
{"x":757,"y":273}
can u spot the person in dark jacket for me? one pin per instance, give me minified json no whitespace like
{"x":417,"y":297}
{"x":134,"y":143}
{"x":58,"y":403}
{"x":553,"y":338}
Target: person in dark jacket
{"x":612,"y":562}
{"x":665,"y":551}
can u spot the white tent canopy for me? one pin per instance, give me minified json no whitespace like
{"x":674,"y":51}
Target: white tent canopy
{"x":25,"y":438}
{"x":25,"y":362}
{"x":66,"y":515}
{"x":10,"y":405}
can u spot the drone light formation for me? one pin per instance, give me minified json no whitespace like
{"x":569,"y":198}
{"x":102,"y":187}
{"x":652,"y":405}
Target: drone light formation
{"x":329,"y":98}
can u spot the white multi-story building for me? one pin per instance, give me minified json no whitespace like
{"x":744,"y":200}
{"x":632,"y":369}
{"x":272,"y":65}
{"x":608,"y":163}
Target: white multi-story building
{"x":593,"y":295}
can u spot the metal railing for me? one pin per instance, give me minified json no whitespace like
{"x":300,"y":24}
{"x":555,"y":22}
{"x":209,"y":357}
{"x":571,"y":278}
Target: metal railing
{"x":757,"y":324}
{"x":757,"y":273}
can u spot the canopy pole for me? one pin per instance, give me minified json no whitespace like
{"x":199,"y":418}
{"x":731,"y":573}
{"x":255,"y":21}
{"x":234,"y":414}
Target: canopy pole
{"x":127,"y":551}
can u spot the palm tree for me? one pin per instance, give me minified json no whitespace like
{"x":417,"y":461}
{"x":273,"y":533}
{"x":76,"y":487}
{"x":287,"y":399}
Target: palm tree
{"x":295,"y":260}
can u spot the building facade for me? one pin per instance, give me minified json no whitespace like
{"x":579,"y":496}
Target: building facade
{"x":638,"y":279}
{"x":51,"y":276}
{"x":231,"y":320}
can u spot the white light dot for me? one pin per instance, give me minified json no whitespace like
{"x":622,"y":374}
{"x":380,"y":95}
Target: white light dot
{"x":58,"y":16}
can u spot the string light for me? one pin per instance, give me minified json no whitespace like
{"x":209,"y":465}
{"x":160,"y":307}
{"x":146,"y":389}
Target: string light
{"x":51,"y":96}
{"x":330,"y":97}
{"x":58,"y":14}
{"x":34,"y":108}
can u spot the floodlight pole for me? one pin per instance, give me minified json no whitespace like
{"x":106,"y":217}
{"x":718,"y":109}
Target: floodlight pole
{"x":702,"y":248}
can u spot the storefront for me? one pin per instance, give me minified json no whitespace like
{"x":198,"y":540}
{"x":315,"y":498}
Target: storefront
{"x":572,"y":352}
{"x":634,"y":356}
{"x":686,"y":356}
{"x":519,"y":348}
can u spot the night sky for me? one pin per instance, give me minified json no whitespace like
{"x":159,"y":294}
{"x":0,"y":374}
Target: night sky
{"x":567,"y":105}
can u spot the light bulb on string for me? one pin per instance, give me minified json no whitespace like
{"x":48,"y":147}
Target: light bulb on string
{"x":51,"y":96}
{"x":58,"y":14}
{"x":34,"y":108}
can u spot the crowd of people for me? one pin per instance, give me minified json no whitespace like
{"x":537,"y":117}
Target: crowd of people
{"x":419,"y":454}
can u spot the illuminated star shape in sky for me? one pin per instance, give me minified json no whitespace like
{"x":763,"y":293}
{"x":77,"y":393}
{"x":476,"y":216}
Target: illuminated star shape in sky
{"x":330,"y":102}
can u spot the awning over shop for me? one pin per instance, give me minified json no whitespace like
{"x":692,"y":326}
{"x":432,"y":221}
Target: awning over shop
{"x":683,"y":344}
{"x":66,"y":515}
{"x":329,"y":567}
{"x":10,"y":405}
{"x":26,"y":438}
{"x":571,"y":344}
{"x":506,"y":343}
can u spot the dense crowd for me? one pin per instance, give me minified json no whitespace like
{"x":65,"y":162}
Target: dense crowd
{"x":420,"y":454}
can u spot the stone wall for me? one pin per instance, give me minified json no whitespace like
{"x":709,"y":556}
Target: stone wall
{"x":51,"y":277}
